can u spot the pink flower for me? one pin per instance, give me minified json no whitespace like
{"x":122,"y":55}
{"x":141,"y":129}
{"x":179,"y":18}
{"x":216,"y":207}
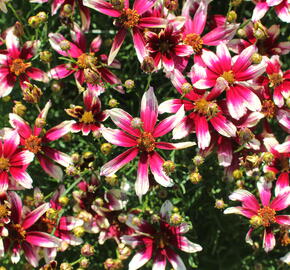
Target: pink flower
{"x":34,"y":140}
{"x":135,"y":20}
{"x":159,"y":241}
{"x":262,"y":6}
{"x":90,"y":116}
{"x":140,"y":136}
{"x":21,"y":232}
{"x":262,"y":215}
{"x":87,"y":67}
{"x":13,"y":64}
{"x":234,"y":76}
{"x":13,"y":162}
{"x":165,"y":47}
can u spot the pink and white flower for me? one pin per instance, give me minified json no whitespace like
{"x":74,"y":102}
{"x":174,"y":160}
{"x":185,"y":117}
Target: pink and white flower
{"x":158,"y":241}
{"x":264,"y":215}
{"x":140,"y":136}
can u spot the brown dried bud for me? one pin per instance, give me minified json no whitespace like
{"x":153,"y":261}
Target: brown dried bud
{"x":18,"y":29}
{"x":87,"y":250}
{"x":148,"y":64}
{"x":34,"y":21}
{"x":19,"y":108}
{"x":31,"y":93}
{"x":168,"y":166}
{"x":45,"y":56}
{"x":92,"y":76}
{"x":195,"y":177}
{"x":171,"y":5}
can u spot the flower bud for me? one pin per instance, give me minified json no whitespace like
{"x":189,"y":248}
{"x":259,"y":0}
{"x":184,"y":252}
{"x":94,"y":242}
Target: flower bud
{"x":129,"y":84}
{"x":162,"y":193}
{"x":106,"y":148}
{"x":232,"y":16}
{"x":242,"y":33}
{"x":240,"y":184}
{"x":136,"y":221}
{"x":56,"y":86}
{"x":51,"y":213}
{"x":113,"y":264}
{"x":63,"y":200}
{"x":195,"y":177}
{"x":186,"y":88}
{"x":19,"y":108}
{"x":42,"y":16}
{"x":270,"y":176}
{"x":84,"y":263}
{"x":75,"y":157}
{"x":65,"y":45}
{"x":176,"y":219}
{"x":168,"y":167}
{"x":40,"y":122}
{"x":18,"y":29}
{"x":237,"y":174}
{"x":260,"y":31}
{"x":88,"y":155}
{"x":220,"y":204}
{"x":148,"y":64}
{"x":123,"y":251}
{"x":268,"y":157}
{"x":45,"y":56}
{"x":112,"y":180}
{"x":65,"y":266}
{"x":198,"y":160}
{"x":236,"y":3}
{"x":171,"y":5}
{"x":136,"y":123}
{"x":34,"y":21}
{"x":122,"y":218}
{"x":67,"y":10}
{"x":79,"y":231}
{"x":31,"y":93}
{"x":113,"y":103}
{"x":87,"y":250}
{"x":256,"y":58}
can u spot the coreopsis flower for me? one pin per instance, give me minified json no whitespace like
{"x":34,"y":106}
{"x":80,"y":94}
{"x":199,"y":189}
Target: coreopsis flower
{"x":89,"y":117}
{"x":166,"y":49}
{"x":88,"y":67}
{"x":194,"y":27}
{"x":234,"y":76}
{"x":67,"y":8}
{"x":262,"y":6}
{"x":267,"y":46}
{"x":22,"y":236}
{"x":14,"y":65}
{"x":140,"y":135}
{"x":204,"y":110}
{"x":13,"y":162}
{"x":159,"y":241}
{"x":35,"y":140}
{"x":134,"y":19}
{"x":262,"y":215}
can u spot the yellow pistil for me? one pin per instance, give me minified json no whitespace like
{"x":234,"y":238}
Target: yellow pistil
{"x":33,"y":144}
{"x":267,"y":215}
{"x":195,"y":41}
{"x":275,"y":79}
{"x":206,"y":108}
{"x":146,"y":142}
{"x":4,"y":164}
{"x":130,"y":17}
{"x":268,"y":108}
{"x":87,"y":117}
{"x":87,"y":60}
{"x":18,"y":66}
{"x":229,"y":76}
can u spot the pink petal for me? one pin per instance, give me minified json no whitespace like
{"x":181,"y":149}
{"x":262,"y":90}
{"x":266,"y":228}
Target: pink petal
{"x":117,"y":43}
{"x":6,"y":84}
{"x":283,"y":220}
{"x":282,"y":11}
{"x":22,"y":126}
{"x":212,"y":62}
{"x":282,"y":183}
{"x":244,"y":59}
{"x":173,"y":105}
{"x":118,"y":137}
{"x":119,"y":161}
{"x":223,"y":126}
{"x":183,"y":50}
{"x":141,"y":6}
{"x":259,"y":11}
{"x":282,"y":201}
{"x":139,"y":44}
{"x":141,"y":257}
{"x":168,"y":62}
{"x":49,"y":167}
{"x":58,"y":131}
{"x":4,"y":181}
{"x":156,"y":167}
{"x":12,"y":44}
{"x":31,"y":254}
{"x":265,"y":192}
{"x":16,"y":207}
{"x":272,"y":3}
{"x":187,"y":246}
{"x":149,"y":110}
{"x":57,"y":156}
{"x":152,"y":22}
{"x":247,"y":198}
{"x":184,"y":128}
{"x":159,"y":262}
{"x":142,"y":182}
{"x":199,"y":19}
{"x":103,"y":7}
{"x":269,"y":240}
{"x":69,"y":223}
{"x":35,"y":215}
{"x":174,"y":259}
{"x":202,"y":131}
{"x":61,"y":71}
{"x":123,"y":120}
{"x":11,"y":142}
{"x":96,"y":44}
{"x":225,"y":153}
{"x":41,"y":239}
{"x":21,"y":158}
{"x":174,"y":146}
{"x":235,"y":103}
{"x":22,"y":177}
{"x":37,"y":74}
{"x":223,"y":54}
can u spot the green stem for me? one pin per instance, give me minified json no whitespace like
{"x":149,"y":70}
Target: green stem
{"x":148,"y":82}
{"x":72,"y":185}
{"x":15,"y":13}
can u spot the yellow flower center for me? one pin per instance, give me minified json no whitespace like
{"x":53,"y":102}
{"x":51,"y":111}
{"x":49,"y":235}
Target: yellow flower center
{"x":18,"y":66}
{"x":146,"y":142}
{"x":267,"y":216}
{"x":4,"y":164}
{"x":129,"y":17}
{"x":195,"y":41}
{"x":275,"y":79}
{"x":87,"y":117}
{"x":87,"y":60}
{"x":206,"y":108}
{"x":229,"y":76}
{"x":33,"y":144}
{"x":268,"y":108}
{"x":17,"y":232}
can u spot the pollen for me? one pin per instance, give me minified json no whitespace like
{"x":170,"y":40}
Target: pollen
{"x":86,"y":60}
{"x":87,"y":117}
{"x":267,"y":215}
{"x":229,"y":76}
{"x":206,"y":108}
{"x":130,"y":17}
{"x":4,"y":164}
{"x":146,"y":142}
{"x":195,"y":41}
{"x":33,"y":144}
{"x":275,"y":79}
{"x":18,"y":66}
{"x":268,"y":109}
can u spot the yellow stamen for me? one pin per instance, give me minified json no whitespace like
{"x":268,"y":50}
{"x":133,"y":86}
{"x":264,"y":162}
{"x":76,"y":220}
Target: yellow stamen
{"x":195,"y":41}
{"x":18,"y":66}
{"x":33,"y":144}
{"x":129,"y":17}
{"x":4,"y":164}
{"x":229,"y":76}
{"x":146,"y":142}
{"x":267,"y":215}
{"x":87,"y":117}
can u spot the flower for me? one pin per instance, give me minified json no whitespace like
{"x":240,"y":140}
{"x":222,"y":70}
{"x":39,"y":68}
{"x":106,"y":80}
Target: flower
{"x":142,"y":141}
{"x":22,"y":236}
{"x":14,"y":66}
{"x":13,"y":162}
{"x":90,"y":116}
{"x":35,"y":140}
{"x":233,"y":76}
{"x":135,"y":20}
{"x":264,"y":215}
{"x":158,"y":240}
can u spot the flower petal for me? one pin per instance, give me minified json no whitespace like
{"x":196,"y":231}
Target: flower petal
{"x":35,"y":215}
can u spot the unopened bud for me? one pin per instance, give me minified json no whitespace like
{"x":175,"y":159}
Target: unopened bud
{"x":112,"y":180}
{"x":242,"y":33}
{"x":87,"y":250}
{"x":56,"y":86}
{"x":40,"y":122}
{"x":88,"y":155}
{"x":18,"y":29}
{"x":65,"y":266}
{"x":65,"y":45}
{"x":84,"y":263}
{"x":148,"y":64}
{"x":42,"y":16}
{"x":240,"y":184}
{"x":129,"y":84}
{"x":198,"y":160}
{"x":63,"y":200}
{"x":162,"y":193}
{"x":176,"y":219}
{"x":75,"y":157}
{"x":268,"y":157}
{"x":113,"y":264}
{"x":113,"y":103}
{"x":237,"y":174}
{"x":106,"y":148}
{"x":136,"y":123}
{"x":168,"y":167}
{"x":45,"y":56}
{"x":79,"y":231}
{"x":232,"y":16}
{"x":270,"y":176}
{"x":31,"y":93}
{"x":123,"y":251}
{"x":256,"y":58}
{"x":67,"y":10}
{"x":19,"y":108}
{"x":195,"y":177}
{"x":122,"y":218}
{"x":220,"y":204}
{"x":136,"y":221}
{"x":186,"y":88}
{"x":34,"y":21}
